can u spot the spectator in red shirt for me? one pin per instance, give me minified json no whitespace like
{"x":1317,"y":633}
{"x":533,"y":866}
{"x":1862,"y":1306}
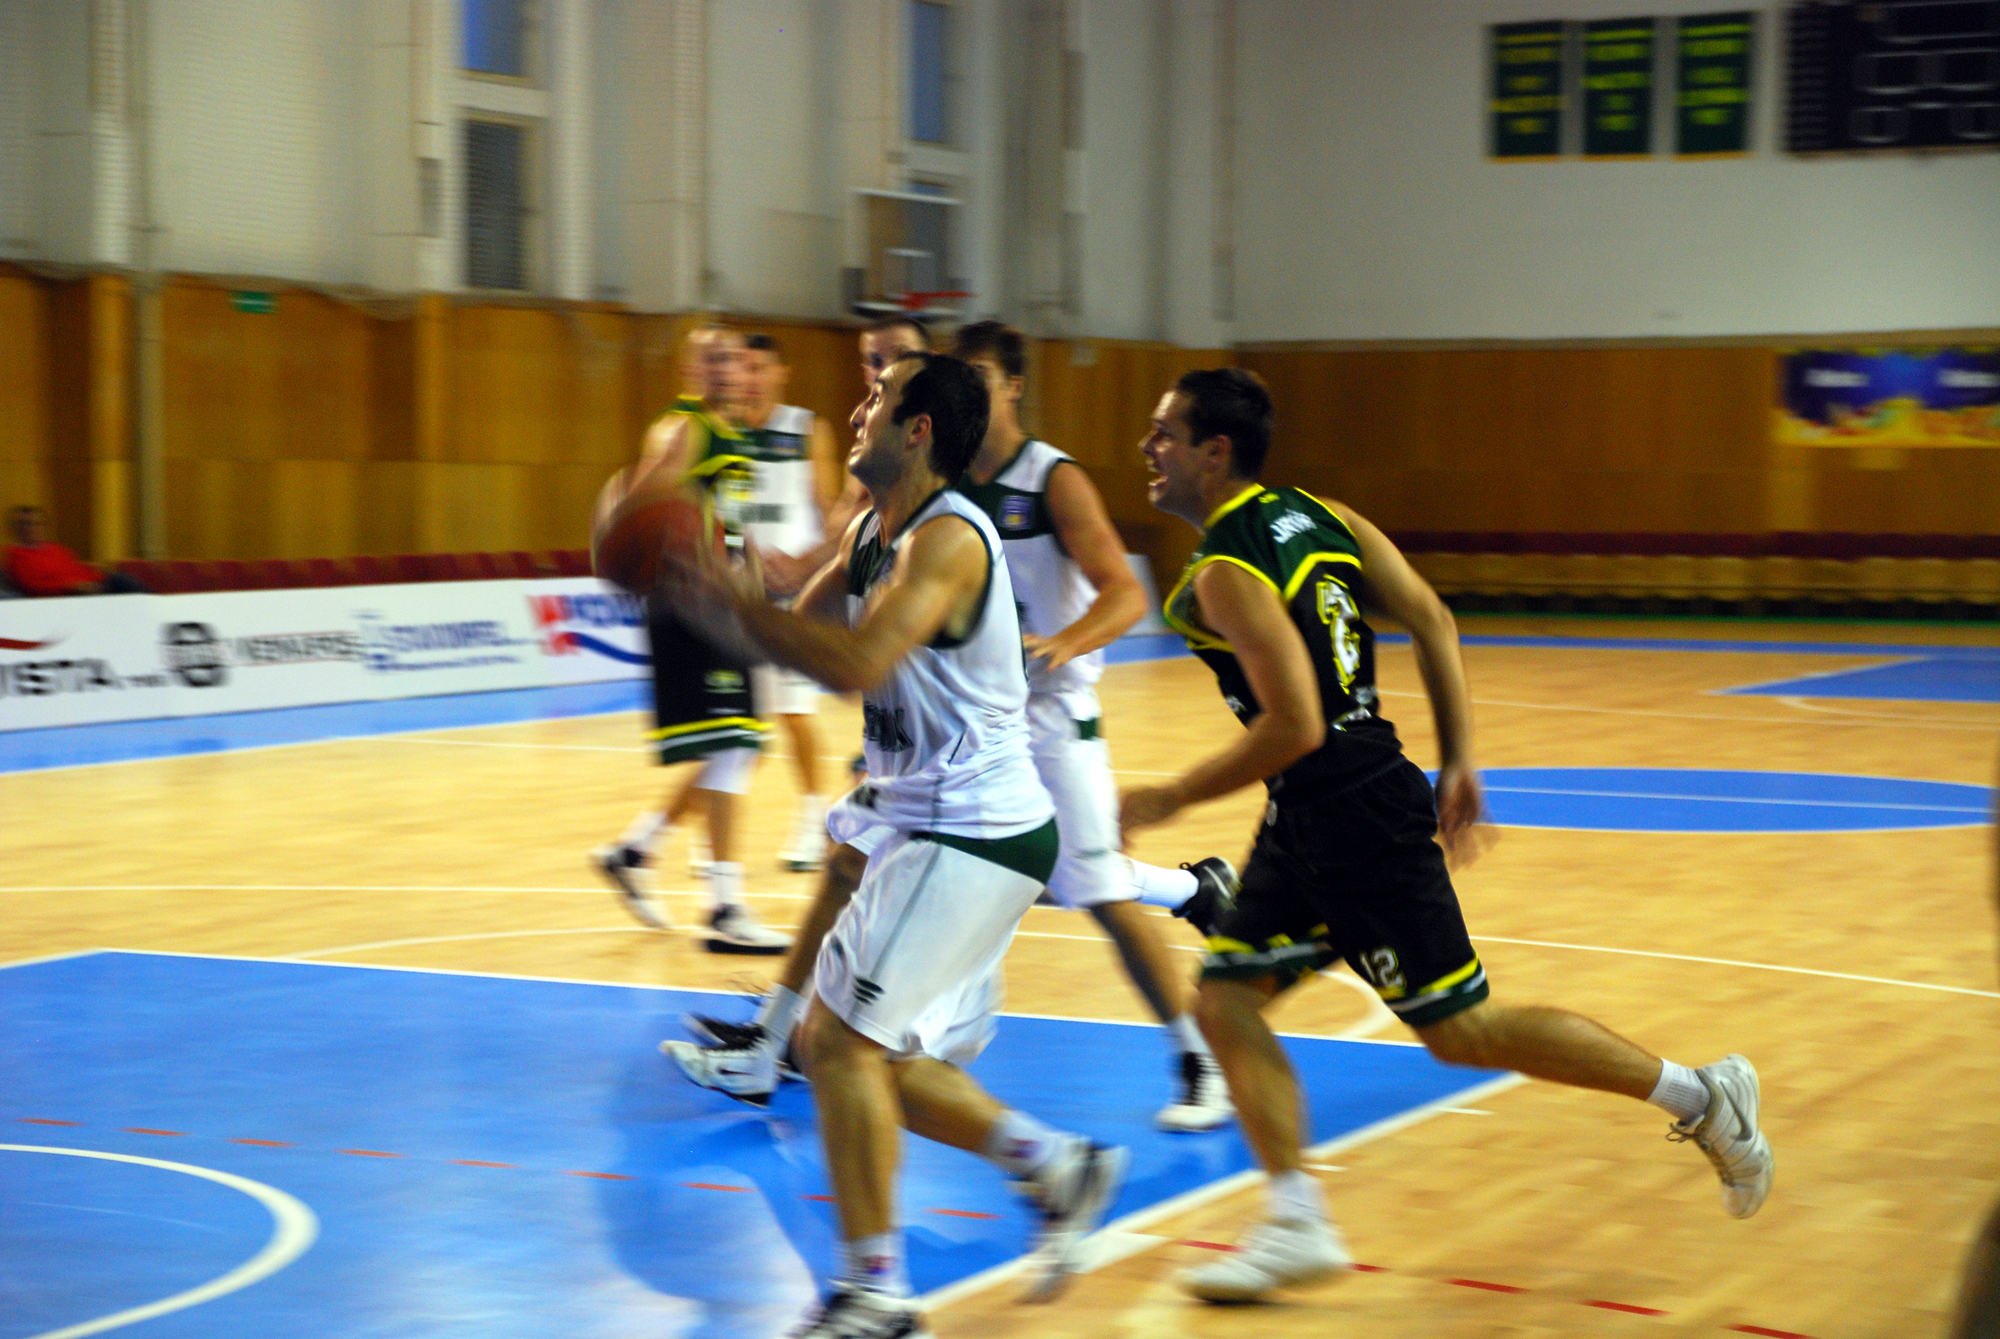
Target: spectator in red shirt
{"x":36,"y":565}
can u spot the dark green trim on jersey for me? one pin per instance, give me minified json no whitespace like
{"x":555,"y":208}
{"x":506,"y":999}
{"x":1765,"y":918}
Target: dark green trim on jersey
{"x":1016,"y":513}
{"x":1032,"y":853}
{"x":865,"y":567}
{"x":1310,"y":559}
{"x":1090,"y":729}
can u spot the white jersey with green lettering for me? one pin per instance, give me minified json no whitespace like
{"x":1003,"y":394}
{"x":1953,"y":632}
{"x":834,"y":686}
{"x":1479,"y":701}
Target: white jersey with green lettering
{"x":946,"y":734}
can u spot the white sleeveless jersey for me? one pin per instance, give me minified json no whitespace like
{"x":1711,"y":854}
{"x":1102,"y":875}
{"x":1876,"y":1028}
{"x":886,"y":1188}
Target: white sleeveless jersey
{"x":777,"y":508}
{"x":946,"y":734}
{"x":1049,"y":588}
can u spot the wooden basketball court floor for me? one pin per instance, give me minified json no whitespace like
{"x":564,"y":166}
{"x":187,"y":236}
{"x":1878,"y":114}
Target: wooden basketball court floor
{"x":1857,"y":968}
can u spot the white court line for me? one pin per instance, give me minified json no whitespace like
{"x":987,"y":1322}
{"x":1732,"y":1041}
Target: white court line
{"x":1700,"y":716}
{"x":1731,"y":962}
{"x":1888,"y":662}
{"x":1804,"y":705}
{"x":1492,"y":939}
{"x":1229,"y":1185}
{"x":293,"y":1232}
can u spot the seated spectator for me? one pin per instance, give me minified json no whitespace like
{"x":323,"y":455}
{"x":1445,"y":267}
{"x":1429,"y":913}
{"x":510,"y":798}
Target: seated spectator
{"x":36,"y":565}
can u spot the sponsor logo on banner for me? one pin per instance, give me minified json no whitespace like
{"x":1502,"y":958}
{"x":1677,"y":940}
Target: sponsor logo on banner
{"x":56,"y":676}
{"x":194,"y":655}
{"x":577,"y":623}
{"x":474,"y":643}
{"x":201,"y":659}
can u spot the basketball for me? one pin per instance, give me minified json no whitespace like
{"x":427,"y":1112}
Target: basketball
{"x":641,"y":514}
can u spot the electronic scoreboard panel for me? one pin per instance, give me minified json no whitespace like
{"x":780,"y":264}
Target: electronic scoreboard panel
{"x":1893,"y":74}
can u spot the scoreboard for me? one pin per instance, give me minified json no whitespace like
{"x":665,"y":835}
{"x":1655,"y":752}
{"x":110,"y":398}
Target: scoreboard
{"x":1893,"y":74}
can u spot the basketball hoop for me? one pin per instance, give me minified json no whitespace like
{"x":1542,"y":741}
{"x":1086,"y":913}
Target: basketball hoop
{"x":916,"y":302}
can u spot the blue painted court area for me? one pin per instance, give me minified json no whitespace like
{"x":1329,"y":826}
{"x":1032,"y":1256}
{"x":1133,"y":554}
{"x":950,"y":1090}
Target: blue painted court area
{"x":1658,"y":799}
{"x":1957,"y":674}
{"x":500,"y":1157}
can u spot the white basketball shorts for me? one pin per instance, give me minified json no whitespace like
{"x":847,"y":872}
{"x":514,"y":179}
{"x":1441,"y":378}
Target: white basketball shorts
{"x":914,"y":961}
{"x":1075,"y":766}
{"x":778,"y":691}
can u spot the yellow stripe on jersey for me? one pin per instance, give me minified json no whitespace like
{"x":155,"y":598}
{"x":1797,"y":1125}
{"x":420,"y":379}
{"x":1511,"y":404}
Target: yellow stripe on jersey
{"x":1201,"y":638}
{"x":718,"y":723}
{"x":1306,"y":565}
{"x":1252,"y":491}
{"x":1446,"y":982}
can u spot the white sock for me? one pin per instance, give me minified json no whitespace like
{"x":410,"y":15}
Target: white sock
{"x":1020,"y":1145}
{"x":1295,"y":1197}
{"x":779,"y":1014}
{"x":725,"y":885}
{"x":1680,"y":1092}
{"x":876,"y":1264}
{"x":1187,"y":1037}
{"x":646,"y":829}
{"x":1158,"y":887}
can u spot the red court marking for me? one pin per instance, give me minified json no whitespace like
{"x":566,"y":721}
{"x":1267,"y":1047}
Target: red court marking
{"x":475,"y":1162}
{"x":370,"y":1153}
{"x":263,"y":1143}
{"x":1768,"y":1334}
{"x":823,"y":1199}
{"x":964,"y":1213}
{"x":1370,"y":1269}
{"x":1490,"y":1287}
{"x":620,"y":1176}
{"x":1208,"y":1245}
{"x":36,"y":1120}
{"x":135,"y":1129}
{"x":1623,"y":1306}
{"x":704,"y":1185}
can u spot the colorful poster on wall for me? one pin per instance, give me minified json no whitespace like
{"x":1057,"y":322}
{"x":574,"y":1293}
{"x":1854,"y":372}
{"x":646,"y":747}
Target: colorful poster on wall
{"x":1712,"y":84}
{"x":1527,"y":95}
{"x":1618,"y":59}
{"x":1890,"y":397}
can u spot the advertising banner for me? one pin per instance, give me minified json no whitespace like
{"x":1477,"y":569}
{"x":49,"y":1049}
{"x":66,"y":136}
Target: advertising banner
{"x":1890,"y":397}
{"x":139,"y":657}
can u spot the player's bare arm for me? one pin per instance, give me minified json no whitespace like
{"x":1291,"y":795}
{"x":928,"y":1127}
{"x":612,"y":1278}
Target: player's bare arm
{"x":670,"y":442}
{"x":936,"y":586}
{"x":1087,"y":535}
{"x":1391,"y":585}
{"x":1244,"y":611}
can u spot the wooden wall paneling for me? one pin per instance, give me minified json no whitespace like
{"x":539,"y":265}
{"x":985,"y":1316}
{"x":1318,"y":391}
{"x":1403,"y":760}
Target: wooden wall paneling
{"x":27,"y":444}
{"x":111,"y":389}
{"x":70,"y":485}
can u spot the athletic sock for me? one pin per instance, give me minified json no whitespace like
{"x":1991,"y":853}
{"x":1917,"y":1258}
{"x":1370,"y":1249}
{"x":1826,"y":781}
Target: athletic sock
{"x":725,"y":885}
{"x":1295,"y":1197}
{"x":645,"y":830}
{"x":1187,"y":1037}
{"x":778,"y":1015}
{"x":1158,"y":887}
{"x":1680,"y":1092}
{"x":876,"y":1264}
{"x":1022,"y":1146}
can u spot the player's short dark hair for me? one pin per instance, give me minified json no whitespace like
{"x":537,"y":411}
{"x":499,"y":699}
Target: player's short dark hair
{"x":899,"y":321}
{"x":996,"y":340}
{"x":952,"y":392}
{"x":1234,"y":403}
{"x":763,"y":343}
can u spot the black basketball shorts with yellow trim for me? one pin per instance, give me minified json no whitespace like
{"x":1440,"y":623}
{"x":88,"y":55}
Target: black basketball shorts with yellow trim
{"x":1354,"y":875}
{"x":701,"y":694}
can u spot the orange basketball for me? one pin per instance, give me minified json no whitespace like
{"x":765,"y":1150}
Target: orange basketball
{"x":640,"y":515}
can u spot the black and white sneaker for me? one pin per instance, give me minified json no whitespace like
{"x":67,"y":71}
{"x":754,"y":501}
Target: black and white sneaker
{"x":1204,"y":1099}
{"x":856,"y":1313}
{"x":748,"y":1073}
{"x":1215,"y":893}
{"x":734,"y":929}
{"x":733,"y":1036}
{"x":620,"y":866}
{"x":1072,"y":1203}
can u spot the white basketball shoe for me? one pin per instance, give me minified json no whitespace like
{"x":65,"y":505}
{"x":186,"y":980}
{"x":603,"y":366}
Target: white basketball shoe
{"x":1272,"y":1255}
{"x":1727,"y":1133}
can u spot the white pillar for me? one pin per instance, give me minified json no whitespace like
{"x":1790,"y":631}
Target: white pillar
{"x":569,"y":149}
{"x":111,"y":166}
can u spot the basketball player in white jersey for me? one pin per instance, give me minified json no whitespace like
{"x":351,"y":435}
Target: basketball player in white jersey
{"x":798,"y":482}
{"x":1077,"y":595}
{"x":917,"y":614}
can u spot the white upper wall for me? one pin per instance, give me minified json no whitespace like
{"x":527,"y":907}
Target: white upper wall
{"x":256,"y":144}
{"x":1367,"y":209}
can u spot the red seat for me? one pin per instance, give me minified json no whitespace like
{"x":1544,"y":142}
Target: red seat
{"x":520,"y":564}
{"x":234,"y":574}
{"x":477,"y":567}
{"x":408,"y":568}
{"x":571,"y":562}
{"x":322,"y":572}
{"x":367,"y":570}
{"x":279,"y":574}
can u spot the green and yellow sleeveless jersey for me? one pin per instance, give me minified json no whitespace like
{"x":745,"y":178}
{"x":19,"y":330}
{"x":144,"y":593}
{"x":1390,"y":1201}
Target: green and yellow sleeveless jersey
{"x":723,"y":462}
{"x":1307,"y":555}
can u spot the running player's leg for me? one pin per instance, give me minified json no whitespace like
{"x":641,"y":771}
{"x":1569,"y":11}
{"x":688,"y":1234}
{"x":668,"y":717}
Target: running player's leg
{"x":910,"y":974}
{"x":792,"y":700}
{"x":747,"y":1060}
{"x":1091,"y":875}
